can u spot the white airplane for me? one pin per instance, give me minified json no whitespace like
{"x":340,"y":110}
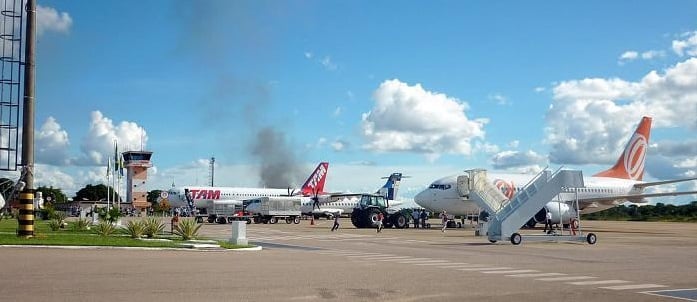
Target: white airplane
{"x":332,"y":204}
{"x":199,"y":197}
{"x":606,"y":189}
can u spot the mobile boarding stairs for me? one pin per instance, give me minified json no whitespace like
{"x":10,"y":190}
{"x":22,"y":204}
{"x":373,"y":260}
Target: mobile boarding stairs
{"x":507,"y":216}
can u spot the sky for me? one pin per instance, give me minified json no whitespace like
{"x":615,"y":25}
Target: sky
{"x":426,"y":88}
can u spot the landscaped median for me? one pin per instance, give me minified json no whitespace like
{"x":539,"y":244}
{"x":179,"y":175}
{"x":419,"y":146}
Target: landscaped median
{"x":144,"y":233}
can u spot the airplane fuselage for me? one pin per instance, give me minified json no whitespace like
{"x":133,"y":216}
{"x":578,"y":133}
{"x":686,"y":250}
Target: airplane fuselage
{"x":443,"y":194}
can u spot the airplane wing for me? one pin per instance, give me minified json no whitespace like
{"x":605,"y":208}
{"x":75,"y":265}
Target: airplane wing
{"x":658,"y":183}
{"x":619,"y":199}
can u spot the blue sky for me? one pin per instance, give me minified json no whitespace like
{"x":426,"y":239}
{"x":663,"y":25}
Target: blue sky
{"x":426,"y":88}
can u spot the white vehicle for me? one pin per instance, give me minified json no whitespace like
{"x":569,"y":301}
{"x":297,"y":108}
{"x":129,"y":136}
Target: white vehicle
{"x":199,"y":197}
{"x":609,"y":188}
{"x":270,"y":209}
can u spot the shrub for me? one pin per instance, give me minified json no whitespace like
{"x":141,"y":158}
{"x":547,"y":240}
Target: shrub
{"x":135,"y":228}
{"x":187,"y":228}
{"x":81,"y":224}
{"x":112,"y":215}
{"x":152,"y":227}
{"x":105,"y":229}
{"x":54,"y":224}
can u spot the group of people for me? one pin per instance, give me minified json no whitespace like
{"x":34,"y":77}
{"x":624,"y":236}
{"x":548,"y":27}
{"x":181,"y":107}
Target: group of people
{"x":419,"y":218}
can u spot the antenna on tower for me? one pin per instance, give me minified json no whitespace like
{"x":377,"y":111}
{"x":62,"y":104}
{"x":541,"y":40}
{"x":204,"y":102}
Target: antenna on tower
{"x":211,"y":171}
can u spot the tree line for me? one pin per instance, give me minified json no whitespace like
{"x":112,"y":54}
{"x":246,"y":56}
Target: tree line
{"x":658,"y":212}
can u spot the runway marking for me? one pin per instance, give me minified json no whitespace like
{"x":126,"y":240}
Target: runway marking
{"x":512,"y":272}
{"x":413,"y":260}
{"x":633,"y":286}
{"x":687,"y":294}
{"x":398,"y":258}
{"x":484,"y":268}
{"x":432,"y":263}
{"x":598,"y":282}
{"x":418,"y":262}
{"x":567,"y":278}
{"x":536,"y":275}
{"x":373,"y":255}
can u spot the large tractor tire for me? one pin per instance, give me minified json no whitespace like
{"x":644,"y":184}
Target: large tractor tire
{"x":372,"y":218}
{"x":400,"y":221}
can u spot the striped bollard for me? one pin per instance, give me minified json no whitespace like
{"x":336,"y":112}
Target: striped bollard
{"x":26,"y":214}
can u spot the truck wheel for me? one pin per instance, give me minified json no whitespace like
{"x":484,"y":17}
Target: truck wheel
{"x":289,"y":220}
{"x":199,"y":219}
{"x":296,"y":220}
{"x":516,"y":239}
{"x":273,"y":220}
{"x":221,"y":220}
{"x":591,"y":238}
{"x":400,"y":221}
{"x":249,"y":221}
{"x":211,"y":219}
{"x":373,"y":218}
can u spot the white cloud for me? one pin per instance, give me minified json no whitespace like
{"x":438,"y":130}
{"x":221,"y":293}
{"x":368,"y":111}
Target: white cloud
{"x":350,"y":95}
{"x":514,"y":159}
{"x":51,"y":144}
{"x":48,"y":19}
{"x":308,"y":55}
{"x":629,"y":56}
{"x":688,"y":46}
{"x":99,"y":143}
{"x":339,"y":145}
{"x":328,"y":64}
{"x":486,"y":147}
{"x":652,"y":54}
{"x":514,"y":144}
{"x":539,"y":89}
{"x":337,"y":111}
{"x":590,"y":120}
{"x":499,"y":99}
{"x":412,"y":119}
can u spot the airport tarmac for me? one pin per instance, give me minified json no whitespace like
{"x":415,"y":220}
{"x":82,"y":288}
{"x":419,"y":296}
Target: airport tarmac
{"x":632,"y":261}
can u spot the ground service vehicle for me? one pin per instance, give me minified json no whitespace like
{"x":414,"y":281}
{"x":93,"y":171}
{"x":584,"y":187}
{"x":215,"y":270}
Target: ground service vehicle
{"x":223,"y":212}
{"x":365,"y":214}
{"x":271,"y":209}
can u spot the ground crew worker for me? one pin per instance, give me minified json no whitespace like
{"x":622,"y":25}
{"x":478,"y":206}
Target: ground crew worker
{"x":336,"y":222}
{"x":548,"y":221}
{"x":380,"y":217}
{"x":415,"y":216}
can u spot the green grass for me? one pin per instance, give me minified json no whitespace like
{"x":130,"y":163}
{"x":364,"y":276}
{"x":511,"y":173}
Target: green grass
{"x":67,"y":237}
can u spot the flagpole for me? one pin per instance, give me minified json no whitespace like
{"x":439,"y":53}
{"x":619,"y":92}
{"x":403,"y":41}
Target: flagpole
{"x":108,"y":170}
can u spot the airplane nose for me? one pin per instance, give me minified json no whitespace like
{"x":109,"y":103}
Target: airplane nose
{"x":422,"y":200}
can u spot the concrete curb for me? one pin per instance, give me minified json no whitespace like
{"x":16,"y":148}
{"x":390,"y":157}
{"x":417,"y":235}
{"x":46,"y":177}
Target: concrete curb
{"x":133,"y":248}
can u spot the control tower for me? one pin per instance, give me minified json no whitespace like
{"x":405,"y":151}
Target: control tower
{"x":137,"y":164}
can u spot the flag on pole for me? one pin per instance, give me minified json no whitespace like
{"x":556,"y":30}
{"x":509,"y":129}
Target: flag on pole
{"x":121,"y":165}
{"x":108,"y":167}
{"x":116,"y":155}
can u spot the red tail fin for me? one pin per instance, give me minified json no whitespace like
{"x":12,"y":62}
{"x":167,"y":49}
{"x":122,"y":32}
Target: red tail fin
{"x":630,"y":165}
{"x":315,"y":183}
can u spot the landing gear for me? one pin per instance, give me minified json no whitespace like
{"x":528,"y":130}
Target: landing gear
{"x":591,"y":238}
{"x":516,"y":239}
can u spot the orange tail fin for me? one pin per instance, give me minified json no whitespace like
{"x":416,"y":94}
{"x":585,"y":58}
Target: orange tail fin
{"x":630,"y":165}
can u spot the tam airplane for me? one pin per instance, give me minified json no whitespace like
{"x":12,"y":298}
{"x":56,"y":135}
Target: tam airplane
{"x":604,"y":190}
{"x":199,"y":197}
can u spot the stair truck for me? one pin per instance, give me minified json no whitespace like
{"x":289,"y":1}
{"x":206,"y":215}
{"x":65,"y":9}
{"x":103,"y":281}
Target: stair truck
{"x":365,"y":213}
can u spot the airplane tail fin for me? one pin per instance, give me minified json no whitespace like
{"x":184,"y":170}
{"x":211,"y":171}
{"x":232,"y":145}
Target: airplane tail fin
{"x":389,"y":190}
{"x":315,"y":183}
{"x":630,"y":165}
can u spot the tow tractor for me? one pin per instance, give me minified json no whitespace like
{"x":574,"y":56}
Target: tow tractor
{"x":365,"y":214}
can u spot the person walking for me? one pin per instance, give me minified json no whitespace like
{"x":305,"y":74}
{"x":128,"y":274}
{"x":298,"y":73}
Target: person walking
{"x":336,"y":222}
{"x":548,"y":222}
{"x":380,"y":218}
{"x":415,"y":216}
{"x":444,"y":220}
